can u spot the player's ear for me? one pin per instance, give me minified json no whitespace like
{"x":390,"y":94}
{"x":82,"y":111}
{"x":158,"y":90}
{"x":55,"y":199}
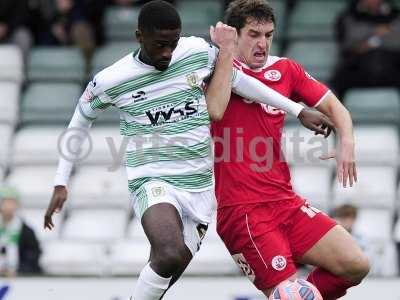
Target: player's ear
{"x":139,"y":36}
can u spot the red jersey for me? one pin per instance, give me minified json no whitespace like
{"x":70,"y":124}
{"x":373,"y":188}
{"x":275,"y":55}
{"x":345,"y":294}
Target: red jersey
{"x":249,"y":166}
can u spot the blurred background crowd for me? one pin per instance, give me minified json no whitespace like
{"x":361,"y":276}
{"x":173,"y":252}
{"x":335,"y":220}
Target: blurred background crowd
{"x":50,"y":48}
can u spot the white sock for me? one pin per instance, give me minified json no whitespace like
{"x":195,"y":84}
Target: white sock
{"x":150,"y":285}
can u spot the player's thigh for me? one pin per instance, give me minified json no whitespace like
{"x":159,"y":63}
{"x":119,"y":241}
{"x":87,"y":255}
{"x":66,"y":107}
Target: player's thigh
{"x":163,"y":226}
{"x":337,"y":252}
{"x":160,"y":215}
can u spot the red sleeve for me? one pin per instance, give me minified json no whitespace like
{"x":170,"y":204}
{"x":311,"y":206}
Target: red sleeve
{"x":306,"y":89}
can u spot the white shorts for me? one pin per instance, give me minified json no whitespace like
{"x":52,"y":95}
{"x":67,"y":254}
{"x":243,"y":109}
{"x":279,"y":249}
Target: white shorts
{"x":195,"y":208}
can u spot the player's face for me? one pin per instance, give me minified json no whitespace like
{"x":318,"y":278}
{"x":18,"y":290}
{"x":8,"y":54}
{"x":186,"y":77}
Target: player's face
{"x":254,"y":42}
{"x":157,"y":46}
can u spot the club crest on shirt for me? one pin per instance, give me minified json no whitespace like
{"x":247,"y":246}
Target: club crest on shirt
{"x":279,"y":263}
{"x":88,"y":94}
{"x":273,"y":75}
{"x":193,"y":80}
{"x":158,"y":191}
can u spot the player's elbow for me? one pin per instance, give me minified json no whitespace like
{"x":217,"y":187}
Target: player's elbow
{"x":216,"y":114}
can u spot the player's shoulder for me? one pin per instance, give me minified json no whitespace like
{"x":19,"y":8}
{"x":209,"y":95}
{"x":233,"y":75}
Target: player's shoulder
{"x":115,"y":73}
{"x":192,"y":45}
{"x":193,"y":42}
{"x":278,"y":61}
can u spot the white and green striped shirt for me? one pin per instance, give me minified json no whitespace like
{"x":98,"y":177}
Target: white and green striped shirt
{"x":163,"y":112}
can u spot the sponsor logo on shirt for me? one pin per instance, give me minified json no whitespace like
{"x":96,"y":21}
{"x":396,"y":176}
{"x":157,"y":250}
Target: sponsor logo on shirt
{"x":273,"y":75}
{"x":279,"y":263}
{"x":139,"y":96}
{"x":168,"y":114}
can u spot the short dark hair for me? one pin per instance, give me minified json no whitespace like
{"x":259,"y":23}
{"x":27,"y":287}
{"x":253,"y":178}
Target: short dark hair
{"x":158,"y":15}
{"x":239,"y":11}
{"x":345,"y":211}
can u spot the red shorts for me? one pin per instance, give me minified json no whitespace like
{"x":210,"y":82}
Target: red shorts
{"x":265,"y":239}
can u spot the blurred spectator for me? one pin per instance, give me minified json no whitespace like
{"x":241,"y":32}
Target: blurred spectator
{"x":368,"y":33}
{"x":13,"y":24}
{"x":346,"y":215}
{"x":19,"y":248}
{"x":94,"y":12}
{"x":62,"y":22}
{"x":134,"y":2}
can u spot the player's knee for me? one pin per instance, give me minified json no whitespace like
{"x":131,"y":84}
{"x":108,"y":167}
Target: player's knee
{"x":355,"y":268}
{"x":360,"y":268}
{"x":169,"y":259}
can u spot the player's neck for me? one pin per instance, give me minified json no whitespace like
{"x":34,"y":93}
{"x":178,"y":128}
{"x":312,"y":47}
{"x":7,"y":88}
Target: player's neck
{"x":244,"y":64}
{"x":144,"y":58}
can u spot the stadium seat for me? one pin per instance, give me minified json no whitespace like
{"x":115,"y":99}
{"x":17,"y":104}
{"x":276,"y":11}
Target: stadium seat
{"x":2,"y":174}
{"x":9,"y":104}
{"x":128,"y":257}
{"x":110,"y":53}
{"x":373,"y":105}
{"x":317,"y":193}
{"x":36,"y":145}
{"x":377,"y":145}
{"x":197,"y":16}
{"x":135,"y":231}
{"x":383,"y":259}
{"x":212,"y":259}
{"x":317,"y":58}
{"x":73,"y":258}
{"x":6,"y":134}
{"x":314,"y":19}
{"x":34,"y":218}
{"x":376,"y":188}
{"x":98,"y":187}
{"x":50,"y":103}
{"x":120,"y":23}
{"x":396,"y":232}
{"x":95,"y":225}
{"x":11,"y":64}
{"x":56,"y":64}
{"x":301,"y":147}
{"x":35,"y":184}
{"x":280,"y":13}
{"x":380,"y":230}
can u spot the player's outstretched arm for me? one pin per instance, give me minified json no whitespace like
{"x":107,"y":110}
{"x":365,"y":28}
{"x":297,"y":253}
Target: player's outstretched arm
{"x":252,"y":89}
{"x":345,"y":153}
{"x":75,"y":137}
{"x":219,"y":89}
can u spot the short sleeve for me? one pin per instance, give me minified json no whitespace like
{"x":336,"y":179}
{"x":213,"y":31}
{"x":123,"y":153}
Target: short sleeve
{"x":93,"y":100}
{"x":306,"y":88}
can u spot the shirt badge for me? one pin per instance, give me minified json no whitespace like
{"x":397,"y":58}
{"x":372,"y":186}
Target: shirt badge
{"x":273,"y":75}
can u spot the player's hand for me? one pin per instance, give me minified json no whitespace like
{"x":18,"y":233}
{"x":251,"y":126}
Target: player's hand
{"x":345,"y":162}
{"x":316,"y":121}
{"x":55,"y":206}
{"x":224,"y":36}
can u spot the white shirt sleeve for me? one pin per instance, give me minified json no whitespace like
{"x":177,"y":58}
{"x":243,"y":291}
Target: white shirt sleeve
{"x":73,"y":138}
{"x":87,"y":110}
{"x":252,"y":89}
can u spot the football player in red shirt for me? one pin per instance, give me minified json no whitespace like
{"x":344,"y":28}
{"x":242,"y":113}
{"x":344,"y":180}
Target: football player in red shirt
{"x":265,"y":225}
